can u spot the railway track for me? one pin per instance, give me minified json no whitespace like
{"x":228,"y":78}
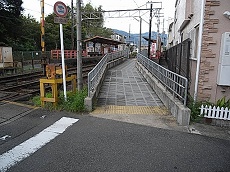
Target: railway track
{"x":23,"y":86}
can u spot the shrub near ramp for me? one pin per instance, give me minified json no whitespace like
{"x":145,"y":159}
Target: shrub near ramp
{"x":74,"y":102}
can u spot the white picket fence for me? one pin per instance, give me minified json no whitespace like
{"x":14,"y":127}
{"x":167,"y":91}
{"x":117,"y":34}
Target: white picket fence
{"x":215,"y":112}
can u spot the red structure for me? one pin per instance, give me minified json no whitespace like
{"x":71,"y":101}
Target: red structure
{"x":106,"y":46}
{"x":68,"y":54}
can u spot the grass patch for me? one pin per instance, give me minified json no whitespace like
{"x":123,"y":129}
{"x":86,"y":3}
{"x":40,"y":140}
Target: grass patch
{"x":74,"y":102}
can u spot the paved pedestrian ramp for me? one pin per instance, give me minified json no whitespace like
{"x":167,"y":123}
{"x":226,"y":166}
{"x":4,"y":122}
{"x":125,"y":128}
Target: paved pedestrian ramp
{"x":125,"y":91}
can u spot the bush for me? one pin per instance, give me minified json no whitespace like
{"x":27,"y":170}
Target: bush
{"x":223,"y":103}
{"x":195,"y":109}
{"x":74,"y":103}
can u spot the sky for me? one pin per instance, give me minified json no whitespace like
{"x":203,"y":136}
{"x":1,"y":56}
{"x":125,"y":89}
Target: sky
{"x":131,"y":24}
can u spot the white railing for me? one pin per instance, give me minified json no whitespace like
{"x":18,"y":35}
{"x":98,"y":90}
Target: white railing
{"x":215,"y":112}
{"x":176,"y":84}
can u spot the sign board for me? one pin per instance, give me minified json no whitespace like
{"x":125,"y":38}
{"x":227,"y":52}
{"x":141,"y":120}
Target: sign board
{"x":60,"y":9}
{"x":60,"y":20}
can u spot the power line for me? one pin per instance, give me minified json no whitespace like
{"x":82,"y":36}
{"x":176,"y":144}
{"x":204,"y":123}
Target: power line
{"x":47,"y":4}
{"x":135,"y":3}
{"x":32,"y":10}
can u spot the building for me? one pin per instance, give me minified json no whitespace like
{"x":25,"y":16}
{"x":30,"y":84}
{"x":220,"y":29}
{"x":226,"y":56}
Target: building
{"x":119,"y":38}
{"x":207,"y":24}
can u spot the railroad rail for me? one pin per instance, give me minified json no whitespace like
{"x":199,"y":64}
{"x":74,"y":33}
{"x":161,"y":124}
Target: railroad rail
{"x":23,"y":86}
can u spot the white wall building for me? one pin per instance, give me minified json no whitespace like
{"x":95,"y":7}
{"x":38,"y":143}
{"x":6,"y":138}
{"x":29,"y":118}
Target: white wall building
{"x":207,"y":67}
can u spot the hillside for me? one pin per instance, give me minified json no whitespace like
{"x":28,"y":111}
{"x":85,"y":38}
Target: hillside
{"x":134,"y":38}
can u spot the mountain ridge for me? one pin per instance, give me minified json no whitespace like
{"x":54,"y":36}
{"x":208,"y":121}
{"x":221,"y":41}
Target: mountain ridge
{"x":134,"y":38}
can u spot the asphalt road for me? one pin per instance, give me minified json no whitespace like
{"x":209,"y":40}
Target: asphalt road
{"x":94,"y":144}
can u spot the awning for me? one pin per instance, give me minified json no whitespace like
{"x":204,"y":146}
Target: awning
{"x":102,"y":40}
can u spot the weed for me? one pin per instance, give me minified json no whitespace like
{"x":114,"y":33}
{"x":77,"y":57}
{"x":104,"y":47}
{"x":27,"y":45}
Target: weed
{"x":74,"y":102}
{"x":195,"y":109}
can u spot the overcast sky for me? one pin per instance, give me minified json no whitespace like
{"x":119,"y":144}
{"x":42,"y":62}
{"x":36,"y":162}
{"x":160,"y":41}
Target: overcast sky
{"x":33,"y":8}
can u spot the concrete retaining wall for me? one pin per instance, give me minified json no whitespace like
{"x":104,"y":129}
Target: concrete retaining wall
{"x":90,"y":101}
{"x":176,"y":108}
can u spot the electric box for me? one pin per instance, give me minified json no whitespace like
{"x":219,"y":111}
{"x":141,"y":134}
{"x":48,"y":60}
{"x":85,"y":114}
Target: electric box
{"x":223,"y":77}
{"x":6,"y":58}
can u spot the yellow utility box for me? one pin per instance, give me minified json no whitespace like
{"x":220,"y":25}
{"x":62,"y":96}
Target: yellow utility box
{"x":54,"y":77}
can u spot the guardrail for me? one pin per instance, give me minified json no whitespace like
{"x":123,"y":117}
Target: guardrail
{"x":176,"y":84}
{"x":94,"y":76}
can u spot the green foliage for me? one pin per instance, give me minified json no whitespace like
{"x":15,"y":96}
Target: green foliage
{"x":10,"y":19}
{"x":223,"y":102}
{"x":23,"y":32}
{"x":195,"y":109}
{"x":74,"y":103}
{"x":91,"y":28}
{"x":37,"y":102}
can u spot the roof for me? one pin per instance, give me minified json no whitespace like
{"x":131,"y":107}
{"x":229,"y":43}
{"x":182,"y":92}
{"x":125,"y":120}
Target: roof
{"x":98,"y":39}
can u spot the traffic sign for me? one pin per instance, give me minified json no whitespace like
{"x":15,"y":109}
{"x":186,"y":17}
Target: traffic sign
{"x":60,"y":9}
{"x":61,"y":20}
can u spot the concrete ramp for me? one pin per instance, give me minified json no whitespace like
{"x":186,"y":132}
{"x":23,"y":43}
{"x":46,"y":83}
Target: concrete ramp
{"x":125,"y":86}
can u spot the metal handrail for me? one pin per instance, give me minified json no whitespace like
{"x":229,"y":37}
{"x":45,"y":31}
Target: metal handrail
{"x":96,"y":73}
{"x":176,"y":84}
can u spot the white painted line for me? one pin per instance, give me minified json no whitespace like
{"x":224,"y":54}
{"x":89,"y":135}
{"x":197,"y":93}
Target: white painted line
{"x":31,"y":145}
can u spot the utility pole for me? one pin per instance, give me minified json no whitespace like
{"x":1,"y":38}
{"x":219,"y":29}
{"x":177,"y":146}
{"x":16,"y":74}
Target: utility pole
{"x":158,"y":30}
{"x":140,"y":34}
{"x":43,"y":37}
{"x":129,"y":43}
{"x":72,"y":24}
{"x":79,"y":48}
{"x":150,"y":25}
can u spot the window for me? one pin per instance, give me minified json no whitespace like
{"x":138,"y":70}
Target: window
{"x":194,"y":35}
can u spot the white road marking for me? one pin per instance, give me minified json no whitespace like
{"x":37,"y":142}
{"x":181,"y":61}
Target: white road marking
{"x":31,"y":145}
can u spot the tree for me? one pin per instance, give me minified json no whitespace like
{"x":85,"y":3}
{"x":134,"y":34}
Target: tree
{"x":23,"y":32}
{"x":93,"y":21}
{"x":10,"y":22}
{"x":30,"y":35}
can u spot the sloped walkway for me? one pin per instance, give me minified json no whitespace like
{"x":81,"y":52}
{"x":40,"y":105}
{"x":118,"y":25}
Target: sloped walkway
{"x":125,"y":91}
{"x":125,"y":86}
